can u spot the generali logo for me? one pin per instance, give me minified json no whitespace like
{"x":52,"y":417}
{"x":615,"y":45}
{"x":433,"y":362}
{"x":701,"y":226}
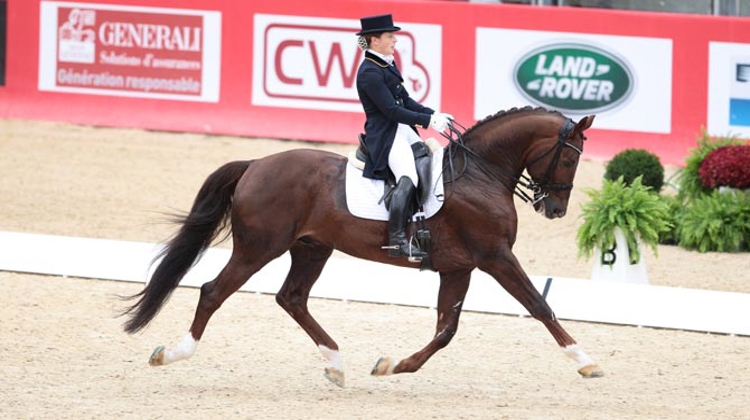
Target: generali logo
{"x":577,"y":78}
{"x":313,"y":62}
{"x":150,"y":36}
{"x":76,"y":37}
{"x":134,"y":51}
{"x":79,"y":34}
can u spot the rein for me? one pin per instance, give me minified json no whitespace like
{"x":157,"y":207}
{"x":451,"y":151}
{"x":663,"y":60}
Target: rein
{"x":540,"y":190}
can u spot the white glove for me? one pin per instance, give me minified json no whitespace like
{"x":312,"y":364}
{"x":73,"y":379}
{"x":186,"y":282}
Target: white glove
{"x":440,"y":121}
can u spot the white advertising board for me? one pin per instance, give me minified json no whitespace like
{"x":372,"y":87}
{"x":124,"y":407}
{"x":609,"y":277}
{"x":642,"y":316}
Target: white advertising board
{"x":729,"y":89}
{"x":626,"y":81}
{"x":144,"y":52}
{"x":311,"y":63}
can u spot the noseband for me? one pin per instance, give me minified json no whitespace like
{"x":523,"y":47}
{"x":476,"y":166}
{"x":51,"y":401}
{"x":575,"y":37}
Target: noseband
{"x":540,"y":190}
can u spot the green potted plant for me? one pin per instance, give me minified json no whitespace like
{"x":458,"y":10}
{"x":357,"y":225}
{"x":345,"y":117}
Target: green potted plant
{"x":716,"y":222}
{"x":676,"y":211}
{"x":632,"y":163}
{"x":631,"y":212}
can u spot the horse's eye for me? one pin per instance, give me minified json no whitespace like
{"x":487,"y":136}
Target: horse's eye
{"x":567,"y":163}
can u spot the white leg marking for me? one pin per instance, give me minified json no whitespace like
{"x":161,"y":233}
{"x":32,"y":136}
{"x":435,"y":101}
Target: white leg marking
{"x":333,"y":357}
{"x":185,"y":349}
{"x":576,"y":353}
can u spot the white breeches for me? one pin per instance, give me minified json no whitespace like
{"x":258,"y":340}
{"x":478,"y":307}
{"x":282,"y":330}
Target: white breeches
{"x":401,"y":158}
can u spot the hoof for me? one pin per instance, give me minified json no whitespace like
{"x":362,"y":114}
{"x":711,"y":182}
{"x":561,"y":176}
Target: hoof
{"x":383,"y":367}
{"x":157,"y":357}
{"x":336,"y":376}
{"x":591,"y":371}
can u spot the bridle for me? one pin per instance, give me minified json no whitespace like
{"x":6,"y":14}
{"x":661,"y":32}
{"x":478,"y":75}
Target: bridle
{"x":539,"y":190}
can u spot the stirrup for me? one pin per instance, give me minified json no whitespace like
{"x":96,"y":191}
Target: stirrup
{"x":397,"y":250}
{"x":414,"y":259}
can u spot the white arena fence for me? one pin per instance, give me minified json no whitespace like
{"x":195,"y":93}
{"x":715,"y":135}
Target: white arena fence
{"x":363,"y":281}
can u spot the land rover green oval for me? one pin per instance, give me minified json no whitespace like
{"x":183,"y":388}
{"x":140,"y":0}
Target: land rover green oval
{"x":576,"y":78}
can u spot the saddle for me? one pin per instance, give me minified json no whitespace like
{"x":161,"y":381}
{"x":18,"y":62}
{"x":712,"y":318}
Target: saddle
{"x":422,"y":160}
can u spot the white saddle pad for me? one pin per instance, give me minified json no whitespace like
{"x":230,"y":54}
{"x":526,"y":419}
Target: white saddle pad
{"x":363,"y":194}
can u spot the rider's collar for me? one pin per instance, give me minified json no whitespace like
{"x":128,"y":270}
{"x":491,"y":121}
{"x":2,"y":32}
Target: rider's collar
{"x":386,"y":58}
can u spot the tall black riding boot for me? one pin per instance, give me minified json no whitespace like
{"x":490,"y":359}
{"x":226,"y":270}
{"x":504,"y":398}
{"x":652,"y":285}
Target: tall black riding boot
{"x":400,"y":213}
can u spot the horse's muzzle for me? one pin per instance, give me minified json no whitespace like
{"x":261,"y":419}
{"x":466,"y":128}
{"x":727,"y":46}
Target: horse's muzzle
{"x":551,"y":208}
{"x":555,"y":214}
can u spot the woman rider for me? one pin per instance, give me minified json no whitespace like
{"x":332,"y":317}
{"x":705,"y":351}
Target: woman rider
{"x":391,"y":125}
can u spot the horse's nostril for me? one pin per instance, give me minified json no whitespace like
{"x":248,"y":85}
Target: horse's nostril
{"x":557,"y":213}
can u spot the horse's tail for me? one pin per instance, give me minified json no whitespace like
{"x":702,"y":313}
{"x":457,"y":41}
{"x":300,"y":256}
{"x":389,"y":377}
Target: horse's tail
{"x":208,"y":217}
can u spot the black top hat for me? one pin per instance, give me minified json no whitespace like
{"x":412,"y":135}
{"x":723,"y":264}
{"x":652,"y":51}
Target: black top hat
{"x":380,"y":23}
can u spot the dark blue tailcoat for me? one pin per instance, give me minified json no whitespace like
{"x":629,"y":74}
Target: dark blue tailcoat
{"x":386,"y":103}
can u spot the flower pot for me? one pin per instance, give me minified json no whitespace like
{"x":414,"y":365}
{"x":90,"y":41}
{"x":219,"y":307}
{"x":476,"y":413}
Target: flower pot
{"x":614,"y":264}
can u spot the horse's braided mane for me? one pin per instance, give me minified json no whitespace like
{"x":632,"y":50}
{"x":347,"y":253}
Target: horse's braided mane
{"x":509,"y":112}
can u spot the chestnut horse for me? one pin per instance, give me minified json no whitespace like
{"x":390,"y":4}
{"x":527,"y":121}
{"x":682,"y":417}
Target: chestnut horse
{"x":295,"y":201}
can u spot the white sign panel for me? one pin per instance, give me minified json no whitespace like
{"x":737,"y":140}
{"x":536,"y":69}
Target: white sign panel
{"x":311,"y":63}
{"x":145,"y":52}
{"x":729,"y":89}
{"x":626,"y":81}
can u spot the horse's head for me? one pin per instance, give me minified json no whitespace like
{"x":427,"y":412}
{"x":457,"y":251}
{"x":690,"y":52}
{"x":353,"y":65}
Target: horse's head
{"x":546,"y":144}
{"x":552,"y":164}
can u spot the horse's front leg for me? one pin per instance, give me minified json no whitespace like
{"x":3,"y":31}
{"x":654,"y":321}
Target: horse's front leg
{"x":508,"y":272}
{"x":453,"y":287}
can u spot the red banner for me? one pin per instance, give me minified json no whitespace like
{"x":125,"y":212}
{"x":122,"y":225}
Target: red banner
{"x":286,"y":70}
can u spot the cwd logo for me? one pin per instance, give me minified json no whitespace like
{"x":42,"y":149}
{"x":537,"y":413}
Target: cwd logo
{"x":311,"y":63}
{"x":576,"y":78}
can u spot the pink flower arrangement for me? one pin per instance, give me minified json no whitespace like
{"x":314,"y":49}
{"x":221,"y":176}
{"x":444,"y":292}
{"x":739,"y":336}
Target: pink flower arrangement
{"x":727,"y":166}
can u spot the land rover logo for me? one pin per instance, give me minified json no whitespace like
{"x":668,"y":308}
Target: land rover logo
{"x":574,"y":77}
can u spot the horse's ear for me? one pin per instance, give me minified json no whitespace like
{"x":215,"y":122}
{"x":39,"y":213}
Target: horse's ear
{"x":585,"y":123}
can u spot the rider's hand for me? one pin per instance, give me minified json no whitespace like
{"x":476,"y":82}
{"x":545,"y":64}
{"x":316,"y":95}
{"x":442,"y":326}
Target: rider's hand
{"x":449,"y":116}
{"x":440,"y":121}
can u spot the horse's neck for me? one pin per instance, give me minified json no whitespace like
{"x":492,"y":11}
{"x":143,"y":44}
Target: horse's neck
{"x":504,"y":147}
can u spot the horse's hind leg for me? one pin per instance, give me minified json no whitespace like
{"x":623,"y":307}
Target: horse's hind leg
{"x":213,"y":293}
{"x":514,"y":280}
{"x":308,"y":260}
{"x":453,"y":287}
